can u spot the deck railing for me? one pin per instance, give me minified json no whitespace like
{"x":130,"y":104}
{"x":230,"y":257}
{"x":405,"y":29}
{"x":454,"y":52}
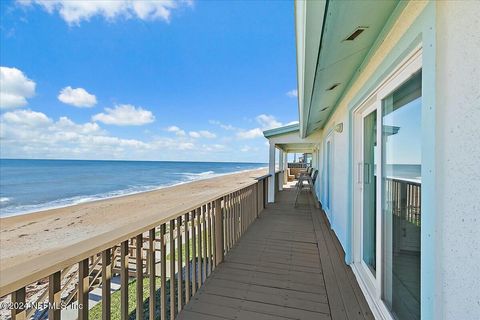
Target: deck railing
{"x":405,"y":199}
{"x":297,"y":165}
{"x":159,"y":267}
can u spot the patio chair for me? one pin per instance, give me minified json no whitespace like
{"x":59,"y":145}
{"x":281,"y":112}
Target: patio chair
{"x":309,"y":186}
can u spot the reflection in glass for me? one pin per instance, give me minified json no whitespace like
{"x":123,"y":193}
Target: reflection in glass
{"x":369,"y":190}
{"x":401,"y":183}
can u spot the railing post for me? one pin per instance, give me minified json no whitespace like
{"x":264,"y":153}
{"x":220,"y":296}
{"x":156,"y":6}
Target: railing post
{"x":194,"y":254}
{"x":106,"y":283}
{"x":163,"y":273}
{"x":179,"y":265}
{"x":187,"y":258}
{"x":218,"y":232}
{"x":139,"y":275}
{"x":151,"y":274}
{"x":172,"y":270}
{"x":83,"y":288}
{"x":54,"y":298}
{"x":124,"y":280}
{"x":18,"y":300}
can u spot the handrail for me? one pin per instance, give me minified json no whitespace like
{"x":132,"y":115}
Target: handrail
{"x":264,"y":177}
{"x":237,"y":207}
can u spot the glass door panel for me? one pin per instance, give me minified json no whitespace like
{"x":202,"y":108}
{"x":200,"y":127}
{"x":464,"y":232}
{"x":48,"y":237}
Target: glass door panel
{"x":369,"y":191}
{"x":401,"y":199}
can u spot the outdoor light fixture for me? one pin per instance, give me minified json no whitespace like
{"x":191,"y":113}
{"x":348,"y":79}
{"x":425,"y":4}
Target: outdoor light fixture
{"x":339,"y":127}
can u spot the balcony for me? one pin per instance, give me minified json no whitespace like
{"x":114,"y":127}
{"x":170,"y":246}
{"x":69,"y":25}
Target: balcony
{"x":241,"y":258}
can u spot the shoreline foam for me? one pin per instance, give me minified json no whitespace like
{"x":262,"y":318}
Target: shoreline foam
{"x":72,"y":201}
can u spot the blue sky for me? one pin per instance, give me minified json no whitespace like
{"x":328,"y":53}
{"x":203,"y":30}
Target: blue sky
{"x":145,"y":80}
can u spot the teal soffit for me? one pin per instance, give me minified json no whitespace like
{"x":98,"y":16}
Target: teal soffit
{"x":350,"y":30}
{"x":281,"y":130}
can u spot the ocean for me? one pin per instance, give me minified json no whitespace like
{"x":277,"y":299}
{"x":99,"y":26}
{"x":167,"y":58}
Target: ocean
{"x":34,"y":185}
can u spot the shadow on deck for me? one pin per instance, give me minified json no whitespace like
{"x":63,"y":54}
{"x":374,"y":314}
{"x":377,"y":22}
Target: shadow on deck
{"x":288,"y":265}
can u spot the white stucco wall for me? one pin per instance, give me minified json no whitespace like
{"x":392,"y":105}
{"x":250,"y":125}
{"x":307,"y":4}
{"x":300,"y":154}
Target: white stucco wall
{"x":340,"y":197}
{"x":458,"y":156}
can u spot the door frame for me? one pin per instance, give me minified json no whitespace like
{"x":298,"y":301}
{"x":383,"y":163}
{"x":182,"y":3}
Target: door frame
{"x":371,"y":286}
{"x":328,"y":175}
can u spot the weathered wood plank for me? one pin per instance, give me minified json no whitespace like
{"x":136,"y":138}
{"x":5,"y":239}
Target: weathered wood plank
{"x":18,"y":298}
{"x":151,"y":273}
{"x":139,"y":275}
{"x":163,"y":273}
{"x":124,"y":280}
{"x":54,"y":295}
{"x":173,"y":306}
{"x":83,"y":289}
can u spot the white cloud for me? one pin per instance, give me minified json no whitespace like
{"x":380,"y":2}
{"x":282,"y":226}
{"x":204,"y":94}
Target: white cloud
{"x":26,"y":117}
{"x":292,"y":93}
{"x":27,"y":133}
{"x":31,"y":134}
{"x":78,"y":97}
{"x":125,"y":115}
{"x":73,"y":12}
{"x":15,"y":88}
{"x":179,"y":132}
{"x":202,"y":134}
{"x":268,"y":121}
{"x":227,"y":127}
{"x":250,"y":134}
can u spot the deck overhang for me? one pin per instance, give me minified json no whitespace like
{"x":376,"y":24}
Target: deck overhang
{"x":334,"y":40}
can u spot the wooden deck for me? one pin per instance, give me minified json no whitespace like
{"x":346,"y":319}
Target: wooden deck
{"x":288,"y":265}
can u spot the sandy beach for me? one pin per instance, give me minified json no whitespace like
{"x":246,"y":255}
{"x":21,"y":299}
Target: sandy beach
{"x":30,"y":238}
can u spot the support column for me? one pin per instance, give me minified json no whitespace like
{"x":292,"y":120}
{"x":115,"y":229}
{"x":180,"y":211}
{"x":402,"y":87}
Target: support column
{"x":271,"y":171}
{"x":281,"y":165}
{"x":285,"y":167}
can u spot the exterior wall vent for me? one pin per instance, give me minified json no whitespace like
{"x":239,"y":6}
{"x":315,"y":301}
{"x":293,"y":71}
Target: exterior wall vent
{"x":355,"y":34}
{"x":333,"y":86}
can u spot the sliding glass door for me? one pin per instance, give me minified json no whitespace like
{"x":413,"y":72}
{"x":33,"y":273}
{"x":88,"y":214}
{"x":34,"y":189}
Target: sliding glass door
{"x":387,"y":193}
{"x":369,"y":166}
{"x":401,"y":189}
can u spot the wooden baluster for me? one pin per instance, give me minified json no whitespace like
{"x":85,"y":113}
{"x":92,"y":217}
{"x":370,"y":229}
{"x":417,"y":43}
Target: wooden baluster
{"x":227,"y":222}
{"x":151,"y":274}
{"x":194,"y":254}
{"x":139,"y":275}
{"x":208,"y":216}
{"x":54,"y":295}
{"x":214,"y":235}
{"x":163,"y":273}
{"x":218,"y":229}
{"x":19,"y":299}
{"x":83,"y":288}
{"x":124,"y":280}
{"x":199,"y":229}
{"x":233,"y":222}
{"x":187,"y":258}
{"x":204,"y":244}
{"x":106,"y":284}
{"x":172,"y":271}
{"x":179,"y":265}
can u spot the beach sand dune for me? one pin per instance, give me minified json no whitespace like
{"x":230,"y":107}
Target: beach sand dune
{"x":34,"y":237}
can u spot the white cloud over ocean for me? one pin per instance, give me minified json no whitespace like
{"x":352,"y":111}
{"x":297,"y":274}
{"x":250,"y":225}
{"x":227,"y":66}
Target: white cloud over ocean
{"x":125,"y":115}
{"x":74,"y":12}
{"x":15,"y":88}
{"x":77,"y":97}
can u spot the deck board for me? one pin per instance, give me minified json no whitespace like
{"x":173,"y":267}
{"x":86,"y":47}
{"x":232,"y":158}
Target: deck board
{"x":288,"y":265}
